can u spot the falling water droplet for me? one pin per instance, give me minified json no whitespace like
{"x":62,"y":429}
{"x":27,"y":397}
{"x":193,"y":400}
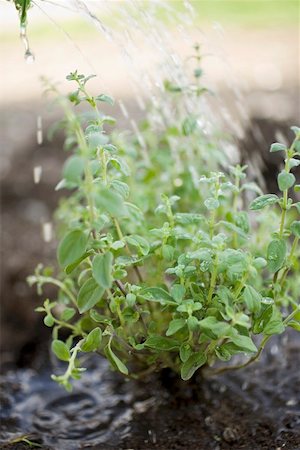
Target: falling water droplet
{"x":47,"y":231}
{"x":29,"y":56}
{"x":37,"y":174}
{"x":39,"y":130}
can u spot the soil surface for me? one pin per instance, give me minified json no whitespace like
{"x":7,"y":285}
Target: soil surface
{"x":253,"y":409}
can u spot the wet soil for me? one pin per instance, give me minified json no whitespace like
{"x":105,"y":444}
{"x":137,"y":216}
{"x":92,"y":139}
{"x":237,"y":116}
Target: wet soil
{"x":254,"y":409}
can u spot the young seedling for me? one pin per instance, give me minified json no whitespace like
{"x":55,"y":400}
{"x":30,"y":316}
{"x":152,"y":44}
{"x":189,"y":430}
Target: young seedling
{"x":166,"y":287}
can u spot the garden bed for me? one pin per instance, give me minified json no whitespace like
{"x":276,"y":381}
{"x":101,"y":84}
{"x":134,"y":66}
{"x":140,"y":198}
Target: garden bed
{"x":257,"y":408}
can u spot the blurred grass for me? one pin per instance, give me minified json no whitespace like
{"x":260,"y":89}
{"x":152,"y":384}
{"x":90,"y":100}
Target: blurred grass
{"x":243,"y":13}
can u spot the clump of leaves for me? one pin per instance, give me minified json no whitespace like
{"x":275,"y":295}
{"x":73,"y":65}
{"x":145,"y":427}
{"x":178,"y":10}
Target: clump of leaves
{"x":184,"y":294}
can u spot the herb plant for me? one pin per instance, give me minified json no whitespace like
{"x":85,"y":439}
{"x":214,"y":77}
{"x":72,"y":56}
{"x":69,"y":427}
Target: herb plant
{"x":149,"y":288}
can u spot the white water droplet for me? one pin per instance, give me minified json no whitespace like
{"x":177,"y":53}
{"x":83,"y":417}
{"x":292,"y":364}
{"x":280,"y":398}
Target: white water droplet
{"x":37,"y":174}
{"x":29,"y":57}
{"x":47,"y":231}
{"x":39,"y":130}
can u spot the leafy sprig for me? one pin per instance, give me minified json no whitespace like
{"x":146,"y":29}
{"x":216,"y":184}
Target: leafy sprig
{"x":179,"y":284}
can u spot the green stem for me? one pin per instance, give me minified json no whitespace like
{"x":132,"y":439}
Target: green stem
{"x":213,"y":280}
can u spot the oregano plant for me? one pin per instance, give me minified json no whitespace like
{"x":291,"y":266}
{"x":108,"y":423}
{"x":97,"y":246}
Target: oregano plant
{"x":165,"y":287}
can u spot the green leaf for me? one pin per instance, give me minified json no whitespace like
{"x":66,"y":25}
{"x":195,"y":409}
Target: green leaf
{"x":276,"y":254}
{"x":188,"y":218}
{"x":219,"y":328}
{"x":115,"y":361}
{"x":293,"y":163}
{"x":102,"y":269}
{"x":285,"y":180}
{"x":295,"y":228}
{"x":244,"y":342}
{"x":100,"y":318}
{"x":178,"y":292}
{"x":189,"y":125}
{"x":211,"y":203}
{"x":158,"y":294}
{"x":120,"y":188}
{"x":105,"y":98}
{"x":192,"y":323}
{"x":175,"y":325}
{"x":294,"y":324}
{"x":193,"y":363}
{"x":96,"y":139}
{"x":185,"y":352}
{"x":67,"y":314}
{"x":71,"y":247}
{"x":89,"y":295}
{"x":161,"y":343}
{"x":274,"y":325}
{"x":296,"y":130}
{"x":168,"y":252}
{"x":276,"y":147}
{"x":259,"y":263}
{"x":70,"y":267}
{"x":48,"y":320}
{"x":252,"y":299}
{"x":139,"y":242}
{"x":73,"y":169}
{"x":92,"y":341}
{"x":60,"y":350}
{"x":263,"y":200}
{"x":110,"y":202}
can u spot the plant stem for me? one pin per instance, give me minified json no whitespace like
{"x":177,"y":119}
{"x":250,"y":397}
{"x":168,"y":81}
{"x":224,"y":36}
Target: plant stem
{"x":213,"y":280}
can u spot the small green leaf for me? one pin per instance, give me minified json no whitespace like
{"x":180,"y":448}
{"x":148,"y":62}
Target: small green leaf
{"x":110,"y":202}
{"x":71,"y":247}
{"x":161,"y":343}
{"x":189,"y":125}
{"x":89,"y":295}
{"x":252,"y":299}
{"x":175,"y":325}
{"x":276,"y":254}
{"x":211,"y":203}
{"x":158,"y":294}
{"x":244,"y":342}
{"x":296,"y":130}
{"x":192,"y":323}
{"x":219,"y":328}
{"x":139,"y":242}
{"x":105,"y":98}
{"x":178,"y":292}
{"x":73,"y":169}
{"x":276,"y":147}
{"x":100,"y":318}
{"x":293,"y":163}
{"x":264,"y":200}
{"x":48,"y":320}
{"x":295,"y":228}
{"x":60,"y":350}
{"x":102,"y":270}
{"x":193,"y":363}
{"x":116,"y":362}
{"x":285,"y":180}
{"x":67,"y":314}
{"x":259,"y":263}
{"x":168,"y":252}
{"x":92,"y":341}
{"x":70,"y":267}
{"x":294,"y":324}
{"x":185,"y":352}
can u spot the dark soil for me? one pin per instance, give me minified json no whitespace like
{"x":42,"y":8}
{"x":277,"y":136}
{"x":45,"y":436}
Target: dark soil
{"x":254,"y":409}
